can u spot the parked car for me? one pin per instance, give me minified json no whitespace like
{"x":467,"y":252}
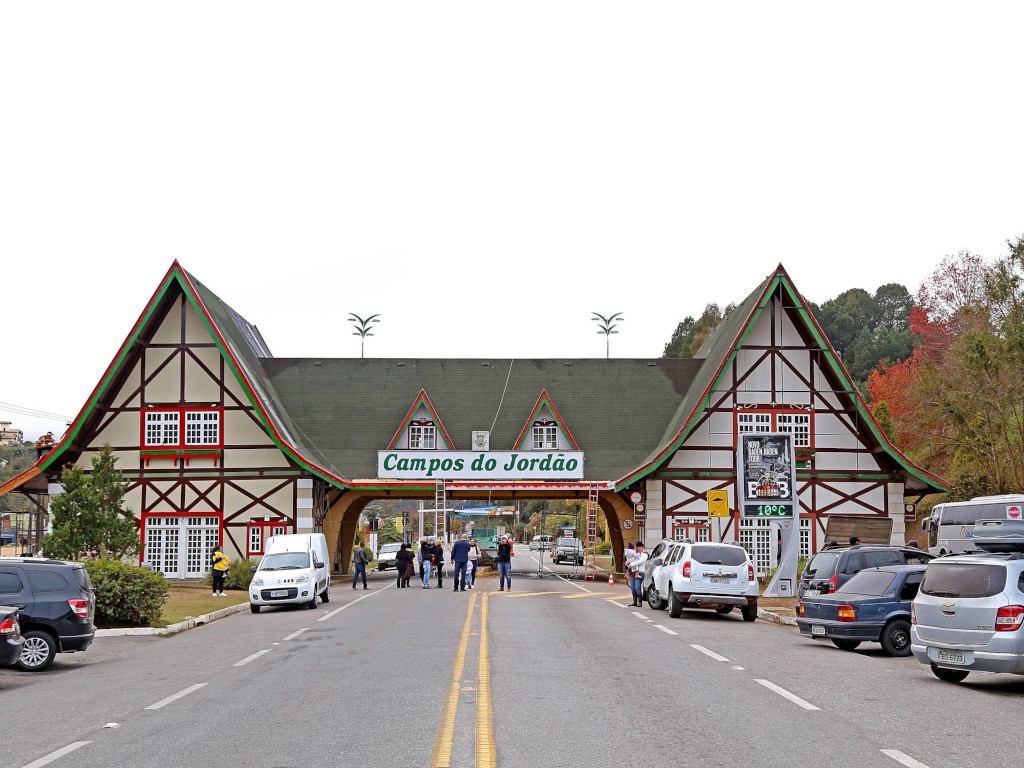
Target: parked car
{"x":567,"y":548}
{"x":829,"y":569}
{"x":11,"y":641}
{"x":387,"y":556}
{"x":541,"y":542}
{"x":293,"y":570}
{"x":56,"y":607}
{"x":873,"y":606}
{"x":703,"y":575}
{"x":968,"y":613}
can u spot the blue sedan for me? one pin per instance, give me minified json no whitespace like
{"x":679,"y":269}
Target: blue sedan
{"x":873,"y":606}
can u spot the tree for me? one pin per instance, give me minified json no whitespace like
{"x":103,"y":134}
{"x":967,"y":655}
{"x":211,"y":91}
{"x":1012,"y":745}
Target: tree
{"x":690,"y":334}
{"x":89,"y":517}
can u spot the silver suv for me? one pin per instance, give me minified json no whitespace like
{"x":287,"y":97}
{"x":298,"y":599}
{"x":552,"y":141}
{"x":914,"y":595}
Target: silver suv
{"x":685,"y":574}
{"x":967,"y":616}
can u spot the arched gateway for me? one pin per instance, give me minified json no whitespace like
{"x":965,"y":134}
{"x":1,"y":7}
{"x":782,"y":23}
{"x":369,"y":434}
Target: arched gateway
{"x":219,"y":440}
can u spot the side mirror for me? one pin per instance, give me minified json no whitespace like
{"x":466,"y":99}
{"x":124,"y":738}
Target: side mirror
{"x":317,"y":564}
{"x":252,"y":569}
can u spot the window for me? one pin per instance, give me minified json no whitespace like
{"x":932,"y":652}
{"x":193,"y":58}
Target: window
{"x":422,"y":437}
{"x":910,"y":586}
{"x":180,"y":546}
{"x":754,"y":422}
{"x":796,"y":424}
{"x":255,"y":540}
{"x":884,"y":557}
{"x":46,"y":581}
{"x":163,"y":428}
{"x":10,"y":584}
{"x":260,"y":532}
{"x":545,"y":437}
{"x":202,"y":428}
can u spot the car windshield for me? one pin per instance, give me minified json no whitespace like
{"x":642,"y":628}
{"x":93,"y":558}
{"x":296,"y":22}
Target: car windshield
{"x":284,"y":561}
{"x":715,"y":555}
{"x":568,"y":542}
{"x":963,"y":579}
{"x":869,"y":583}
{"x":390,"y":548}
{"x":823,"y":563}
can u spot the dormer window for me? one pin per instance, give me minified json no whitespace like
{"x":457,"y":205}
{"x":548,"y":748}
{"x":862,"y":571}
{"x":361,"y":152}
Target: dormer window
{"x":162,"y":427}
{"x":422,"y":436}
{"x":545,"y":436}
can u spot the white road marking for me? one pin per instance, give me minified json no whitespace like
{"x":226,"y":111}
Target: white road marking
{"x":176,"y":696}
{"x":666,"y":630}
{"x":741,"y":669}
{"x":639,"y":615}
{"x":295,"y":634}
{"x":706,"y":652}
{"x":348,"y":605}
{"x":581,"y":588}
{"x":111,"y":725}
{"x":786,"y":694}
{"x":899,"y":757}
{"x":46,"y":760}
{"x":617,"y":605}
{"x":247,"y":659}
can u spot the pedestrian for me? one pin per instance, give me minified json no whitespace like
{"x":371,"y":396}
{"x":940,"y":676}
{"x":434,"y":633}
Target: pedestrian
{"x":410,"y":567}
{"x":504,"y":560}
{"x":630,"y":556}
{"x":636,"y":575}
{"x":854,"y":541}
{"x":913,"y":544}
{"x":359,"y":561}
{"x":474,"y":557}
{"x":427,"y":557}
{"x":439,"y":561}
{"x":401,"y":563}
{"x":221,"y":563}
{"x":460,"y":556}
{"x":832,"y":544}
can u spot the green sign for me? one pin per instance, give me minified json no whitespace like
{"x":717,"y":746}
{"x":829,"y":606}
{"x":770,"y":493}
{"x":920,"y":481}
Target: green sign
{"x":767,"y":510}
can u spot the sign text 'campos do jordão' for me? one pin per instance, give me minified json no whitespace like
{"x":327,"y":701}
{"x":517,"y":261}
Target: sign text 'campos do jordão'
{"x":480,"y":465}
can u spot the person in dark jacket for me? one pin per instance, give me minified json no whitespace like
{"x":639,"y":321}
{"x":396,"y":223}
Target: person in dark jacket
{"x":460,"y":556}
{"x":427,"y":556}
{"x":439,"y":561}
{"x":504,"y":560}
{"x":401,"y":563}
{"x":410,"y":568}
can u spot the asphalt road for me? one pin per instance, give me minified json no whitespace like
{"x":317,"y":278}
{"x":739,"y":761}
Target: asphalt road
{"x":562,"y":673}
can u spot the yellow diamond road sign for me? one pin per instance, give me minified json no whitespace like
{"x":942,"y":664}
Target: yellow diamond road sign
{"x":718,"y":503}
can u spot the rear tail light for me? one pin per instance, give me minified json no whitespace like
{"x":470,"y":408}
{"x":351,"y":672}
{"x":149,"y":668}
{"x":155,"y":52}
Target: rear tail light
{"x":686,"y":569}
{"x":750,"y":573}
{"x":80,"y":607}
{"x":913,"y":614}
{"x":800,"y":608}
{"x":833,"y":583}
{"x":7,"y":627}
{"x":1009,"y":618}
{"x":846,"y":613}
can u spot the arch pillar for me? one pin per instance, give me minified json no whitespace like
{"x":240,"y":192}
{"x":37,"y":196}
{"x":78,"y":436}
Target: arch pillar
{"x":340,"y":527}
{"x":616,"y":510}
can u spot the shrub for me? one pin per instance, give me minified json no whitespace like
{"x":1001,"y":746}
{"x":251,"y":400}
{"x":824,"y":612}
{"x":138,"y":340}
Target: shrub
{"x":126,"y":595}
{"x":239,"y":575}
{"x":604,"y":548}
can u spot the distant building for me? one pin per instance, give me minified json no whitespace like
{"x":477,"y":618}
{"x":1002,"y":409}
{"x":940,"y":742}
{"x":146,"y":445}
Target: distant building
{"x":10,"y":436}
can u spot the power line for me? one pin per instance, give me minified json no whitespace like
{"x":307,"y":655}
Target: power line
{"x":25,"y":411}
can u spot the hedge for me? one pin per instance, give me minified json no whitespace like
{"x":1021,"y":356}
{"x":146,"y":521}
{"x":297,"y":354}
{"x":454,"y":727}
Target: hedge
{"x":126,"y":595}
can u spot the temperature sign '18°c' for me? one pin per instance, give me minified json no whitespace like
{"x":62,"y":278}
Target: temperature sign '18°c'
{"x":766,"y":465}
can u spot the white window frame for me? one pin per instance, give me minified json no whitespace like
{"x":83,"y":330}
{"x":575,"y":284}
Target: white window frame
{"x":545,"y":437}
{"x":159,"y":425}
{"x":202,"y":428}
{"x":422,"y":437}
{"x":796,"y":424}
{"x":181,"y":546}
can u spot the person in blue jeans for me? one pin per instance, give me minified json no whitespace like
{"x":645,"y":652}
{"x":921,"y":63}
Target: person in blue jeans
{"x":460,"y":556}
{"x":504,"y":560}
{"x":427,"y":556}
{"x":359,"y":561}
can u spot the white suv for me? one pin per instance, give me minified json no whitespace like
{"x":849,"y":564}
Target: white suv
{"x":702,"y":575}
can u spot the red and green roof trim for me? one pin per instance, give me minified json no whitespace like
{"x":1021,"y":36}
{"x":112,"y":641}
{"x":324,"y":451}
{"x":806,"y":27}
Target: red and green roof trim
{"x":542,"y":401}
{"x":421,"y":399}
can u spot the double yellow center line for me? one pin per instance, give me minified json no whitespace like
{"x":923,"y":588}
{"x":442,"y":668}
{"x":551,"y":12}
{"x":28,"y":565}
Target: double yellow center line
{"x":485,"y":752}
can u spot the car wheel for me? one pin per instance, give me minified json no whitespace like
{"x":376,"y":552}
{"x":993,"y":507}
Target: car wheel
{"x":949,"y":675}
{"x":654,"y":599}
{"x":749,"y":611}
{"x":724,"y":609}
{"x":312,"y":603}
{"x":675,"y":605}
{"x":325,"y":596}
{"x":846,"y":645}
{"x":895,"y":638}
{"x":254,"y":608}
{"x":38,"y":651}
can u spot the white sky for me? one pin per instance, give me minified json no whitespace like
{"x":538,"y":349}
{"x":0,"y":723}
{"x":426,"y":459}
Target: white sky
{"x":484,"y":175}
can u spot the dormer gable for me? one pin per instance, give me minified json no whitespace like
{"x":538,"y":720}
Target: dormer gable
{"x":545,"y":430}
{"x":421,"y":429}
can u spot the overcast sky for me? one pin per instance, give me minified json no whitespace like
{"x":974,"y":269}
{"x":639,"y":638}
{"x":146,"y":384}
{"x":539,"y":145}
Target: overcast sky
{"x":483,"y":175}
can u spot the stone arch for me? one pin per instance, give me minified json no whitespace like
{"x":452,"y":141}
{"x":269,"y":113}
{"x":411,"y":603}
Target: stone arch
{"x":616,"y":510}
{"x":339,"y":527}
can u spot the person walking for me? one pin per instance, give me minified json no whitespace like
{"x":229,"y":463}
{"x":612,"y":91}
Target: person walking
{"x":504,"y":560}
{"x":439,"y":561}
{"x":636,"y":575}
{"x":401,"y":563}
{"x":359,"y":561}
{"x":460,"y":556}
{"x":410,"y":567}
{"x":474,"y":557}
{"x":427,"y":556}
{"x":221,"y":563}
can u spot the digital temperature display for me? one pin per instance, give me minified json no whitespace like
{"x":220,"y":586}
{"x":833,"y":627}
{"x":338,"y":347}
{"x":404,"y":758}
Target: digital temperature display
{"x":767,"y":510}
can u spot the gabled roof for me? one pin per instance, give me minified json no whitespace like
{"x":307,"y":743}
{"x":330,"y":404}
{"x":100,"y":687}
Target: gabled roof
{"x":542,"y":401}
{"x":719,"y":351}
{"x":421,"y":399}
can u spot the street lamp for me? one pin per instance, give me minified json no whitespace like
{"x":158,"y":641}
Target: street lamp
{"x":362,"y":328}
{"x":607,"y":327}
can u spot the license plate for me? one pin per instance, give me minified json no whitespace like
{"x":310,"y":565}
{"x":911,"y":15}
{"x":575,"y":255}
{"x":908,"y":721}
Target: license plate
{"x":720,"y":579}
{"x":817,"y":629}
{"x":279,"y":593}
{"x":812,"y":592}
{"x":951,"y":657}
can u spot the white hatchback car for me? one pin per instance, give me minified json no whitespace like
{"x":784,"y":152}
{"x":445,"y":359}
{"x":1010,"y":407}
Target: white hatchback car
{"x":703,"y":575}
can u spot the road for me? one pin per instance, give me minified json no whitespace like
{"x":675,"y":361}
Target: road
{"x":553,"y":673}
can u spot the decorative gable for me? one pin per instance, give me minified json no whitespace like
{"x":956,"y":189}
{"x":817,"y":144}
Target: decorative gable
{"x":545,"y":430}
{"x":421,"y":429}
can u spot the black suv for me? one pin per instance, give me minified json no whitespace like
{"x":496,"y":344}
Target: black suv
{"x":830,"y":568}
{"x":56,"y":605}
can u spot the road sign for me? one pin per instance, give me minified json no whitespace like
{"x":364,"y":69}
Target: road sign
{"x":636,"y":497}
{"x":718,"y":503}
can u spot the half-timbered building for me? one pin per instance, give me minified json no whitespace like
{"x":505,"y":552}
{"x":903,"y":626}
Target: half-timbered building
{"x":220,"y":441}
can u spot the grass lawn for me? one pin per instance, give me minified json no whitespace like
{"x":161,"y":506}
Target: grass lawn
{"x":183,"y":602}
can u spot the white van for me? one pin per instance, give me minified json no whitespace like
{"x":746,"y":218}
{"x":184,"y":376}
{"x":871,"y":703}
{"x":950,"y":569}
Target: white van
{"x":293,"y":570}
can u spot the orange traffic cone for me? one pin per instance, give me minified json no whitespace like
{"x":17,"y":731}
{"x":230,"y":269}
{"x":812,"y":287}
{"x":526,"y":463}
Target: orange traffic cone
{"x":611,"y":580}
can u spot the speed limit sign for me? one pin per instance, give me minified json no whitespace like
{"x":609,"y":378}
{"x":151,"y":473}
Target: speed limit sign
{"x":635,"y":497}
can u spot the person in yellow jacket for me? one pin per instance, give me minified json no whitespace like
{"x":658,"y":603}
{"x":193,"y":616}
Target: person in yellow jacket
{"x":221,"y":563}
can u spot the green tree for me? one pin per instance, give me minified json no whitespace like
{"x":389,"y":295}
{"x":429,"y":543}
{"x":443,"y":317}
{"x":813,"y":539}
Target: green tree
{"x":387,"y":532}
{"x":89,"y":517}
{"x":690,"y":334}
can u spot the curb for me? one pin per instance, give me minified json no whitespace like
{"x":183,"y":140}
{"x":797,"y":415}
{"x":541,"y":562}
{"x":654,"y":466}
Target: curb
{"x":775,"y":618}
{"x":173,"y":629}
